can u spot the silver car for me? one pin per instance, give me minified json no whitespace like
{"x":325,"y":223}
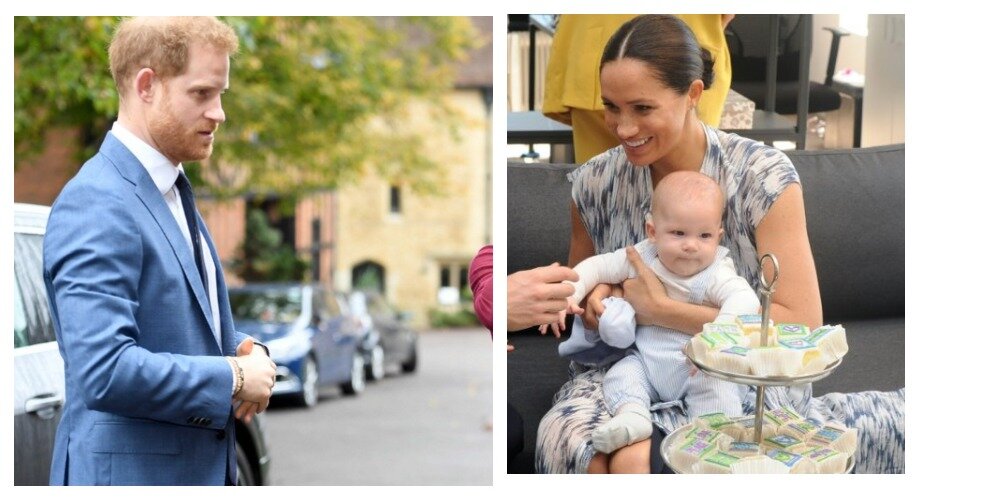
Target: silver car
{"x":39,"y":389}
{"x":38,"y":368}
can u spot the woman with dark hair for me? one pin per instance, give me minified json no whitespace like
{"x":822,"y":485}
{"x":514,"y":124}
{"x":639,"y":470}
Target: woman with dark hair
{"x":572,"y":92}
{"x":653,"y":73}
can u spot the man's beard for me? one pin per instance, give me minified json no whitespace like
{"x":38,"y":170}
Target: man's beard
{"x":175,"y":141}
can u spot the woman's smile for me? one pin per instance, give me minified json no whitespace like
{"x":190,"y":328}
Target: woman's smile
{"x":647,"y":118}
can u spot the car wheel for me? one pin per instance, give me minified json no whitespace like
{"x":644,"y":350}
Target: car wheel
{"x":310,"y":384}
{"x":410,"y":365}
{"x":376,"y":369}
{"x":244,"y":470}
{"x":357,"y":382}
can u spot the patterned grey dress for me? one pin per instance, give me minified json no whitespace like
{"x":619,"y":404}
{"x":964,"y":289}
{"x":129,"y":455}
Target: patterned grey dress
{"x":613,"y":197}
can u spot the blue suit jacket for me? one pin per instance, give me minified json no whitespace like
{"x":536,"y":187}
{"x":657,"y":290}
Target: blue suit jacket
{"x":147,"y":387}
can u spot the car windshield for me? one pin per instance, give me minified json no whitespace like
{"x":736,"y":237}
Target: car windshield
{"x":269,"y":306}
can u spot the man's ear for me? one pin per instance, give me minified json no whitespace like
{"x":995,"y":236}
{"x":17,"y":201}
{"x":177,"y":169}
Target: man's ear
{"x":650,"y":229}
{"x":144,"y":84}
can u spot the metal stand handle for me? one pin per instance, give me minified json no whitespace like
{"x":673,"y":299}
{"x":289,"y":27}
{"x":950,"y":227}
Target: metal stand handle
{"x":767,"y":288}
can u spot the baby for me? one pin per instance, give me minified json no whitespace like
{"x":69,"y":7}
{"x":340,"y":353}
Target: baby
{"x":684,"y":228}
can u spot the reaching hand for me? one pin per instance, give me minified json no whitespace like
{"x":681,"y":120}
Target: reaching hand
{"x":258,"y":380}
{"x":536,"y":296}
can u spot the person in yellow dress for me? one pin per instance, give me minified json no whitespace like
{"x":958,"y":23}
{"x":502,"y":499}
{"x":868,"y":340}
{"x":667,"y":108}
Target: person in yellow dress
{"x":573,"y":90}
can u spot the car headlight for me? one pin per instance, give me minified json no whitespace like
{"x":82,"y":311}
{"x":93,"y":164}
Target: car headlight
{"x":289,"y":348}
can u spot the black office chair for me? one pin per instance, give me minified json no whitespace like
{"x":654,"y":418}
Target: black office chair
{"x":747,"y":36}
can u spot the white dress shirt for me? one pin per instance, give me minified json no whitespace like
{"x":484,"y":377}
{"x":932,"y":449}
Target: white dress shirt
{"x":164,"y":175}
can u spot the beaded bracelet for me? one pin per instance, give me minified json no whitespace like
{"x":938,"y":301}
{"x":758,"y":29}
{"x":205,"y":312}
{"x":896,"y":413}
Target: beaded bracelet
{"x":238,"y":370}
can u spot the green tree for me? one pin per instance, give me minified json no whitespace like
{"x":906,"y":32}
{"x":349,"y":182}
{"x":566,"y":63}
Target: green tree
{"x":263,"y":257}
{"x":369,"y":280}
{"x":314,"y":102}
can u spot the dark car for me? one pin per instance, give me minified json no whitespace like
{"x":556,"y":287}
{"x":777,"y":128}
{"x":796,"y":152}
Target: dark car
{"x":312,"y":339}
{"x":39,"y":383}
{"x":389,"y":340}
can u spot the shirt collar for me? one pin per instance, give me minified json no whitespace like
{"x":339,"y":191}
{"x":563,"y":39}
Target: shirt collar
{"x":163,"y":172}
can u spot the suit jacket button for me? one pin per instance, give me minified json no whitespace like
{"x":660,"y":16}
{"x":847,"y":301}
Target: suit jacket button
{"x":191,"y":420}
{"x":220,"y":435}
{"x":208,"y":422}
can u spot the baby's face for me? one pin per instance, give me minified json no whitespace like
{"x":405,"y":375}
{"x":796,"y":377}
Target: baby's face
{"x":686,"y":235}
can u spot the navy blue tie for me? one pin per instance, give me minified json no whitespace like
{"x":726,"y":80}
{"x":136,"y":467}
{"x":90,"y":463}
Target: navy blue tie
{"x":187,"y":201}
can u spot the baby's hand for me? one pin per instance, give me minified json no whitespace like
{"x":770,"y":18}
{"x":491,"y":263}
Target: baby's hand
{"x":560,"y":326}
{"x":575,"y":309}
{"x":556,"y":327}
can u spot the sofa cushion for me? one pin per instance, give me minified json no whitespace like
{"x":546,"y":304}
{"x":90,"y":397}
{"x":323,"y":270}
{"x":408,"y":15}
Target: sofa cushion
{"x":874,"y":360}
{"x":538,"y":222}
{"x":855,"y":215}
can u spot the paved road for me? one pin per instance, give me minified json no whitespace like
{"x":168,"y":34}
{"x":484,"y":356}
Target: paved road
{"x":427,"y":428}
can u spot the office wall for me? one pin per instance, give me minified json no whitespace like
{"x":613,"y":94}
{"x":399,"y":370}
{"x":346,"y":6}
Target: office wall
{"x":884,"y":109}
{"x":852,"y":48}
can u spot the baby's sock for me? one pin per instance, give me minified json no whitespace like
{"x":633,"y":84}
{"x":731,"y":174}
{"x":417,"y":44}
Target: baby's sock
{"x":631,"y":425}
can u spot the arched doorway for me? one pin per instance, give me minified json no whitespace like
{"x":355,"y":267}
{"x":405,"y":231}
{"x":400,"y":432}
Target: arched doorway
{"x":368,"y":275}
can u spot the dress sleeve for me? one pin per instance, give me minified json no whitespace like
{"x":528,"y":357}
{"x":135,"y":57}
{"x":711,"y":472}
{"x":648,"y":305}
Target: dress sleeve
{"x":769,"y":172}
{"x":590,"y":182}
{"x":481,"y":283}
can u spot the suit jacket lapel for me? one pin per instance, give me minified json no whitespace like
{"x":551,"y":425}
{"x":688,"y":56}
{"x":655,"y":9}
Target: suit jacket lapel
{"x":130,"y":168}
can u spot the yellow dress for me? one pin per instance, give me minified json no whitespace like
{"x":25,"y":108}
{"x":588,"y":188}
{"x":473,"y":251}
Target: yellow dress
{"x":572,"y":80}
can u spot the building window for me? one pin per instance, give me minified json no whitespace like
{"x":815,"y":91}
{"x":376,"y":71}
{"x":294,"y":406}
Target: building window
{"x":445,"y":276}
{"x":453,"y":283}
{"x":395,"y":200}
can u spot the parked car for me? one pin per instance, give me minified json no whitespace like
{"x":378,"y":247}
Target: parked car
{"x":311,"y":338}
{"x":39,"y":382}
{"x":389,"y":340}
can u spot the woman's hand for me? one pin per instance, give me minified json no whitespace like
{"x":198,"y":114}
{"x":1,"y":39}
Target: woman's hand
{"x":648,"y":297}
{"x":645,"y":293}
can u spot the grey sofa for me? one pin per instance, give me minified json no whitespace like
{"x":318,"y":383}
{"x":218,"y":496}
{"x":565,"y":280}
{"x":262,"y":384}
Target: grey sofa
{"x":855,"y":218}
